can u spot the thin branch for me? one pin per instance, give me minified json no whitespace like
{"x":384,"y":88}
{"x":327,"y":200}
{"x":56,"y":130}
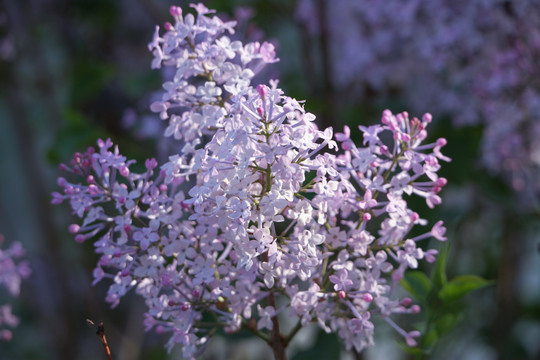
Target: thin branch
{"x":100,"y":332}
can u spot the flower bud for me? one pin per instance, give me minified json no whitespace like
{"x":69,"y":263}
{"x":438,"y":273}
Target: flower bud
{"x":92,"y":189}
{"x":74,"y":228}
{"x":406,"y":302}
{"x":262,"y":90}
{"x":124,"y":171}
{"x":176,"y":11}
{"x":150,"y":163}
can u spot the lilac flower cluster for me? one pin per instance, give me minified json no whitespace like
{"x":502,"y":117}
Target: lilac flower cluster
{"x":477,"y":60}
{"x":261,"y":212}
{"x":12,"y":271}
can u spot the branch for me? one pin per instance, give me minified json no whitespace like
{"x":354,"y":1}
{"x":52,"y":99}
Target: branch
{"x":100,"y":332}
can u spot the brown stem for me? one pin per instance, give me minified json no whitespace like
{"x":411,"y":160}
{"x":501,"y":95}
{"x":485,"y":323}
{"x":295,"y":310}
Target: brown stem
{"x":277,"y":341}
{"x":100,"y":332}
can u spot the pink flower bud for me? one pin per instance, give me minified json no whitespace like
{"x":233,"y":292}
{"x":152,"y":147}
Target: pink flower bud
{"x":342,"y":294}
{"x":92,"y":189}
{"x":176,"y":11}
{"x":367,"y":217}
{"x":386,"y":116}
{"x":163,"y":188}
{"x":367,"y":297}
{"x":406,"y":302}
{"x":125,"y":272}
{"x":168,"y":26}
{"x":90,"y":179}
{"x":80,"y":238}
{"x":61,"y":181}
{"x":260,"y":110}
{"x":57,"y":198}
{"x":196,"y":293}
{"x":415,"y":309}
{"x":441,"y":182}
{"x":427,"y":118}
{"x":74,"y":228}
{"x":185,"y":307}
{"x":262,"y":90}
{"x":184,"y":205}
{"x":124,"y":171}
{"x":441,"y":142}
{"x":150,"y":163}
{"x":5,"y":335}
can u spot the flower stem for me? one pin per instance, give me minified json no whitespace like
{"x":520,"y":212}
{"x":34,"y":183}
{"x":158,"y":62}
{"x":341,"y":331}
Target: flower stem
{"x":277,"y":341}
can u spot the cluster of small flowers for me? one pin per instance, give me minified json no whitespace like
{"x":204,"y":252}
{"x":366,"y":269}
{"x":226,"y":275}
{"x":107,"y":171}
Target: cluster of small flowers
{"x":477,"y":60}
{"x":210,"y":69}
{"x":12,"y":271}
{"x":264,"y":216}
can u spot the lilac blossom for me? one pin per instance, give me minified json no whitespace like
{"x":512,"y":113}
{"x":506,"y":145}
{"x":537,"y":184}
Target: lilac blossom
{"x":477,"y":60}
{"x":12,"y":271}
{"x":257,"y":209}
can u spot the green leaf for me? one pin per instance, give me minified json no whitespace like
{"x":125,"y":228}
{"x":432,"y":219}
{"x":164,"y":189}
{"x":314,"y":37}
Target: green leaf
{"x":439,"y":275}
{"x":461,"y":286}
{"x":430,"y":339}
{"x":417,"y":284}
{"x":446,"y":323}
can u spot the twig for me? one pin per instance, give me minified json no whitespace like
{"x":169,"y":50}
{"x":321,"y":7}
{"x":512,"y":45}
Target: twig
{"x":100,"y":331}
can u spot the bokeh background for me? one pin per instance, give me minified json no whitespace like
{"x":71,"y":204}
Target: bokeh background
{"x":72,"y":71}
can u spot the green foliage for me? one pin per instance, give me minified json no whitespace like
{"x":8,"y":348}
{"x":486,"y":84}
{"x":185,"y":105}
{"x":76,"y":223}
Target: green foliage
{"x":441,"y":300}
{"x":418,"y":285}
{"x":461,"y":286}
{"x":326,"y":347}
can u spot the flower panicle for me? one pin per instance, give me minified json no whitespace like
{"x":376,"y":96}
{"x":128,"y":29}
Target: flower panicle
{"x":264,"y":209}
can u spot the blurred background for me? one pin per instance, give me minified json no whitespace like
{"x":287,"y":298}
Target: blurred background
{"x":72,"y":71}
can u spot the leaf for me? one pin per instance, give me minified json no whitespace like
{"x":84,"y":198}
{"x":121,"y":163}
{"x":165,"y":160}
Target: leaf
{"x":446,"y":323}
{"x":461,"y":286}
{"x":430,"y":339}
{"x":439,"y":275}
{"x":417,"y":284}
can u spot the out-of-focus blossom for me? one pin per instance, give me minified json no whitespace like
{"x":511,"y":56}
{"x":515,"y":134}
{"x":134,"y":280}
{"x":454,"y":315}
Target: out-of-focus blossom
{"x":477,"y":61}
{"x":12,"y":271}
